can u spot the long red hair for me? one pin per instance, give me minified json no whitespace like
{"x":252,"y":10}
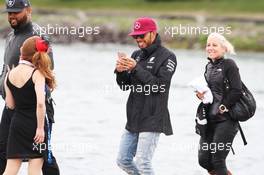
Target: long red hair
{"x":40,"y":59}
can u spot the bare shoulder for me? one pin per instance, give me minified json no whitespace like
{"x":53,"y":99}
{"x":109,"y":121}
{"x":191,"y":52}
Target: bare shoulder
{"x":12,"y":73}
{"x":38,"y":76}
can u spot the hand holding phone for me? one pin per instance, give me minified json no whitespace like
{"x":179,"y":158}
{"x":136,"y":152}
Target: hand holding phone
{"x":121,"y":62}
{"x":121,"y":55}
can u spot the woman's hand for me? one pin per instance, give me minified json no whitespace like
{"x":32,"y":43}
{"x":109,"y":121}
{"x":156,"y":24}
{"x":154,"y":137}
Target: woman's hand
{"x":40,"y":136}
{"x":200,"y":95}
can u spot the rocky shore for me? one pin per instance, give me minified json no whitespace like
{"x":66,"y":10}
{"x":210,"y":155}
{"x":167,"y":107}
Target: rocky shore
{"x":184,"y":30}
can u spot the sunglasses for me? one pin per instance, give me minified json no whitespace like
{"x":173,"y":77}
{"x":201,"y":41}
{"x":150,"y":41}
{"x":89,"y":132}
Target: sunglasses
{"x":139,"y":36}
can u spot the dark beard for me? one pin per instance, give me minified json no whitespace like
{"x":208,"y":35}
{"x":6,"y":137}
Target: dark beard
{"x":20,"y":23}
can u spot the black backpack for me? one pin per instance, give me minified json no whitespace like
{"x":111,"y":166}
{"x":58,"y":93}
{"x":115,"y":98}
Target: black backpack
{"x":244,"y":109}
{"x":49,"y":105}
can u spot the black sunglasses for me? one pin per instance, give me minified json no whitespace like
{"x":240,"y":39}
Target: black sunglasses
{"x":138,"y":36}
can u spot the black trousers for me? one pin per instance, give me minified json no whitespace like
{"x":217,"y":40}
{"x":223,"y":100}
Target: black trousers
{"x":215,"y":147}
{"x":47,"y":169}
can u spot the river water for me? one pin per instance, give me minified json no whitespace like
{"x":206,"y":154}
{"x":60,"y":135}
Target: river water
{"x":90,"y":113}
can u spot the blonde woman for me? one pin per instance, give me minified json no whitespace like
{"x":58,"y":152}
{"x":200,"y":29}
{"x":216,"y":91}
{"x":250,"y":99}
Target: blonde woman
{"x":221,"y":130}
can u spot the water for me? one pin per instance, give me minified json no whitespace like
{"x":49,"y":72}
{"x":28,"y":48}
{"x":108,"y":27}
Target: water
{"x":90,"y":113}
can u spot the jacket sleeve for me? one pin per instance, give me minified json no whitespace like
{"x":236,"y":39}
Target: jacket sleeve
{"x":2,"y":78}
{"x":123,"y":79}
{"x":4,"y":71}
{"x":163,"y":77}
{"x":235,"y":84}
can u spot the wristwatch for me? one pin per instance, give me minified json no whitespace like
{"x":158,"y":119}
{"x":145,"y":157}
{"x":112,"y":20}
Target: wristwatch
{"x":223,"y":108}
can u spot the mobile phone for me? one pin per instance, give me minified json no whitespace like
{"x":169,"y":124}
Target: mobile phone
{"x":121,"y":55}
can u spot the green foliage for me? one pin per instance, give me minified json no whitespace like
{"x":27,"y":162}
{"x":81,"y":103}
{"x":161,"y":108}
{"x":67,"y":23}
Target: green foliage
{"x":214,"y":6}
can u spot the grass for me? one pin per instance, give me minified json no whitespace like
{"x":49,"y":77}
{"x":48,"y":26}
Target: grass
{"x":212,"y":6}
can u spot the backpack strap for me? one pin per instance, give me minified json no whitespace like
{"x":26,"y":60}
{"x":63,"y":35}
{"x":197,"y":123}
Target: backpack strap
{"x":232,"y":149}
{"x":242,"y":134}
{"x":49,"y":151}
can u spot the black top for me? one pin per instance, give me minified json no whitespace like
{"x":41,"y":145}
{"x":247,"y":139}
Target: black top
{"x":147,"y":111}
{"x":25,"y":96}
{"x":23,"y":126}
{"x":215,"y":74}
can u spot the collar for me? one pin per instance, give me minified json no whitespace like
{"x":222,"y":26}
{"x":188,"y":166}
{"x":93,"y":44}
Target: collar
{"x":216,"y":61}
{"x":149,"y":50}
{"x":23,"y":28}
{"x":26,"y":63}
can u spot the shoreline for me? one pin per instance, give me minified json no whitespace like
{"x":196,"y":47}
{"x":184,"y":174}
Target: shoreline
{"x":112,"y":27}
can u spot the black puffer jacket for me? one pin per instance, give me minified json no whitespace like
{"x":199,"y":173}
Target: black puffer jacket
{"x":147,"y":111}
{"x":214,"y":74}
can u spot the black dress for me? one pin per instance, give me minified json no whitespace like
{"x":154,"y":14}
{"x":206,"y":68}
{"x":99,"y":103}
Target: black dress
{"x":23,"y":126}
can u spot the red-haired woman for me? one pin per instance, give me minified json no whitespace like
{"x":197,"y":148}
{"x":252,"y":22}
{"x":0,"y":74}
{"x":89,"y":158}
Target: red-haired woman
{"x":25,"y":93}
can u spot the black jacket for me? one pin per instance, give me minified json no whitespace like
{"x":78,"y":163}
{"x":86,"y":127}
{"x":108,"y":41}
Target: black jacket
{"x":14,"y":41}
{"x":215,"y":74}
{"x":147,"y":110}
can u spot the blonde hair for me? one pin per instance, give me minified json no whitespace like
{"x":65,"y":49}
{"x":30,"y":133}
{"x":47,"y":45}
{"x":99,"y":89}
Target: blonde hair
{"x":224,"y":42}
{"x":40,"y":60}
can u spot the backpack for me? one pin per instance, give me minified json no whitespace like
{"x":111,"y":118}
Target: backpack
{"x":49,"y":104}
{"x":244,"y":109}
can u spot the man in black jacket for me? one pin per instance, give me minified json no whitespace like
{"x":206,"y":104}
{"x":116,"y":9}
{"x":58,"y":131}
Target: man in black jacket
{"x":148,"y":76}
{"x":19,"y":17}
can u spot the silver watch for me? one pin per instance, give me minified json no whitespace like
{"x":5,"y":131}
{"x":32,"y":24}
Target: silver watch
{"x":223,"y":108}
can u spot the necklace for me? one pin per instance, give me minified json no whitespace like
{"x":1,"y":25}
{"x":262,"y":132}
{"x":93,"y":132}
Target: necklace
{"x":26,"y":63}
